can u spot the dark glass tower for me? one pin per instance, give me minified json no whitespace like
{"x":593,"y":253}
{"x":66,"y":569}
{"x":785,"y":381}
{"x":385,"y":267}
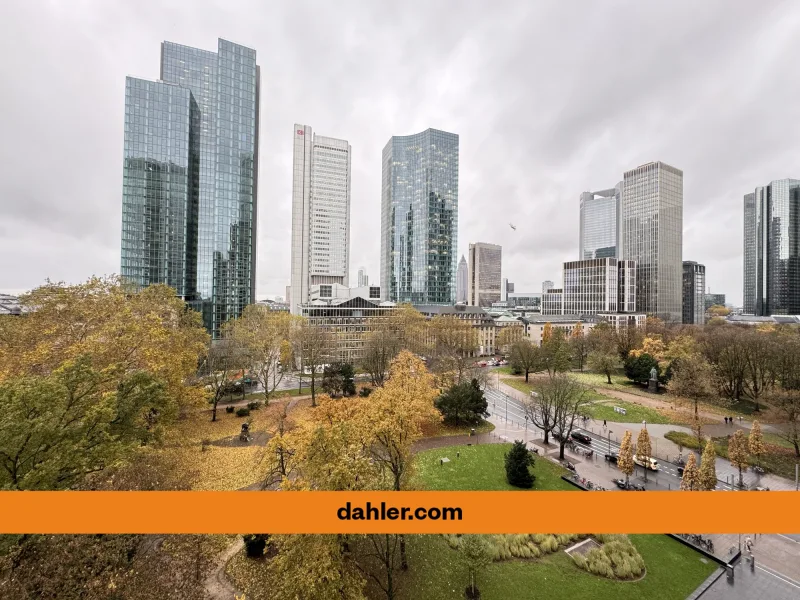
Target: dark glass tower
{"x":419,"y":218}
{"x":191,"y":177}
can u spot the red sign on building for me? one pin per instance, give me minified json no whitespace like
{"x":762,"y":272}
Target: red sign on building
{"x":300,"y":132}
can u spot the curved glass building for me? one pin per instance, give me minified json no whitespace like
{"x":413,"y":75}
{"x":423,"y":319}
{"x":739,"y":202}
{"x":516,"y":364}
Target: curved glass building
{"x":419,"y":218}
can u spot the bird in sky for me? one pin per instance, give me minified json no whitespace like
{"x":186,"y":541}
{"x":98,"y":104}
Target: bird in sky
{"x":514,"y":227}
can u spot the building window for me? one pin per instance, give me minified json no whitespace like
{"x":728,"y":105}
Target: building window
{"x":325,"y":291}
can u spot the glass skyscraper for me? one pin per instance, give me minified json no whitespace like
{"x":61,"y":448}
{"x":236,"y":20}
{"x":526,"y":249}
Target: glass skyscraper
{"x":772,"y":269}
{"x":694,"y":293}
{"x":419,"y":218}
{"x":599,"y":224}
{"x":191,"y":176}
{"x":652,"y":235}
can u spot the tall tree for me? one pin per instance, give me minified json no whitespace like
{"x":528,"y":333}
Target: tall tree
{"x":627,"y":339}
{"x":567,"y":399}
{"x":693,"y":378}
{"x":380,"y":348}
{"x":755,"y":442}
{"x":454,"y":344}
{"x":224,"y":361}
{"x":787,"y":407}
{"x":737,"y":453}
{"x":263,"y":336}
{"x":724,"y":348}
{"x":691,"y":477}
{"x":707,"y":477}
{"x":463,"y":403}
{"x":508,"y":336}
{"x":517,"y":461}
{"x":313,"y":345}
{"x":605,"y":362}
{"x":759,"y":365}
{"x":525,"y":356}
{"x":625,"y":458}
{"x":555,"y":353}
{"x":476,"y":557}
{"x":644,"y":450}
{"x":411,"y":329}
{"x":579,"y":345}
{"x":379,"y":558}
{"x":603,"y":353}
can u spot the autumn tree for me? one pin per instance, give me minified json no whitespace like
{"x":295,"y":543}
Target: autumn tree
{"x":313,"y":345}
{"x":603,"y":354}
{"x":224,"y":362}
{"x":691,"y":476}
{"x":263,"y":337}
{"x":508,"y":336}
{"x":566,"y":399}
{"x":693,"y":378}
{"x":757,"y":351}
{"x":755,"y":441}
{"x":737,"y":453}
{"x":644,"y":450}
{"x":627,"y":339}
{"x":579,"y":345}
{"x":380,"y":348}
{"x":475,"y":556}
{"x":554,"y":353}
{"x":787,"y":407}
{"x":707,"y":476}
{"x":411,"y":329}
{"x":625,"y":458}
{"x":454,"y":343}
{"x":379,"y":559}
{"x":525,"y":356}
{"x":718,"y":310}
{"x":725,"y":349}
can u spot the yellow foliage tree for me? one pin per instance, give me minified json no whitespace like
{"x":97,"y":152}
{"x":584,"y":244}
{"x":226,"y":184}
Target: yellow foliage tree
{"x":737,"y":453}
{"x":547,"y":333}
{"x":625,"y":458}
{"x":708,"y":468}
{"x":755,"y":441}
{"x":643,"y":449}
{"x":454,"y":343}
{"x":691,"y":477}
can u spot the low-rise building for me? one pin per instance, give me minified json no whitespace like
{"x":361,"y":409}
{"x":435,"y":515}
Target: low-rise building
{"x":475,"y":315}
{"x":534,"y":327}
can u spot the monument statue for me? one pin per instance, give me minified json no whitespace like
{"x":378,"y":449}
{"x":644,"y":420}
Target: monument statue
{"x":653,"y":373}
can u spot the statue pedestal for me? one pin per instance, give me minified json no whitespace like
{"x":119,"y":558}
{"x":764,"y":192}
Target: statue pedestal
{"x":652,"y":386}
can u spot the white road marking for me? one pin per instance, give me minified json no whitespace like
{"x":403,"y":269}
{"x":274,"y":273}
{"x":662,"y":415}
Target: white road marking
{"x":787,"y":538}
{"x":777,"y":575}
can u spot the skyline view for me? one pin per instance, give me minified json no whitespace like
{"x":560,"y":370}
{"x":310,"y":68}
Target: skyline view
{"x":532,"y":139}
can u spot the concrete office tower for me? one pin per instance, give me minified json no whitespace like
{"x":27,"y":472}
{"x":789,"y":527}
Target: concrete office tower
{"x":419,"y":218}
{"x":485,"y":262}
{"x":363,"y":279}
{"x":599,"y":285}
{"x":546,"y":285}
{"x":775,"y":263}
{"x":506,"y":289}
{"x":190,"y":178}
{"x":599,"y":224}
{"x":694,"y":293}
{"x":652,"y":226}
{"x":320,"y":214}
{"x":462,"y":280}
{"x":750,"y":255}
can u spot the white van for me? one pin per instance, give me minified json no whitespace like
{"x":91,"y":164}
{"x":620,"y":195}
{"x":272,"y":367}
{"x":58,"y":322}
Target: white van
{"x":650,"y":463}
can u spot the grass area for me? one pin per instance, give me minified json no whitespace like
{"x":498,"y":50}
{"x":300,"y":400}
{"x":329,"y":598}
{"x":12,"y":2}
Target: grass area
{"x":673,"y":572}
{"x":598,"y":379}
{"x":528,"y":387}
{"x":442,"y":430}
{"x":480,"y":467}
{"x":778,"y":460}
{"x":634,"y":413}
{"x":506,"y":370}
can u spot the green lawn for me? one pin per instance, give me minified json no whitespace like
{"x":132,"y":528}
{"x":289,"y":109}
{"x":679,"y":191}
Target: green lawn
{"x":528,"y":387}
{"x":480,"y":467}
{"x":443,"y":430}
{"x":673,"y":572}
{"x":634,"y":413}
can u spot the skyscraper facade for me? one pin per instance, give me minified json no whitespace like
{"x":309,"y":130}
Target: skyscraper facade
{"x":320,"y":214}
{"x":190,"y":178}
{"x":419,"y":218}
{"x":694,"y":293}
{"x":462,"y":280}
{"x":546,"y":285}
{"x":774,"y":266}
{"x":599,"y":223}
{"x":652,"y":228}
{"x":485,"y":262}
{"x":363,"y":278}
{"x":750,"y":255}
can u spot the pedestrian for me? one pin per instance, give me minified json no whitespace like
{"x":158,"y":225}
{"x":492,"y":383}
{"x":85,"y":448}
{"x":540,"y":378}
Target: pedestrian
{"x":604,"y":423}
{"x":726,"y":420}
{"x":748,"y":543}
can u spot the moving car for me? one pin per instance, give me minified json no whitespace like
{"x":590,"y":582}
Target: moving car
{"x":612,"y":458}
{"x":581,"y":437}
{"x":649,"y":463}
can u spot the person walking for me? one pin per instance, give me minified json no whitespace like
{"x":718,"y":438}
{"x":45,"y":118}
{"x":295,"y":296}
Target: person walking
{"x":604,"y":424}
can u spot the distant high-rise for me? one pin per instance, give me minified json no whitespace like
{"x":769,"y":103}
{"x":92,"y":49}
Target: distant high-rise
{"x":363,"y":278}
{"x":547,"y":285}
{"x":190,"y":178}
{"x":419,"y":218}
{"x":652,"y":227}
{"x":694,"y":293}
{"x":599,"y":223}
{"x":506,"y":289}
{"x":750,"y":255}
{"x":462,"y":280}
{"x":598,"y":285}
{"x":485,"y":262}
{"x":773,"y":268}
{"x":714,"y":300}
{"x":320,"y":214}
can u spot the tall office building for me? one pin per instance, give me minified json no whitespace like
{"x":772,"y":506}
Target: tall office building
{"x":419,"y":218}
{"x":750,"y":255}
{"x":506,"y":289}
{"x":190,"y":178}
{"x":485,"y":261}
{"x":547,"y":285}
{"x":598,"y":285}
{"x":320,"y":214}
{"x":652,"y":227}
{"x":694,"y":293}
{"x":715,"y":300}
{"x":363,"y":278}
{"x":772,"y":270}
{"x":462,"y":280}
{"x":599,"y":223}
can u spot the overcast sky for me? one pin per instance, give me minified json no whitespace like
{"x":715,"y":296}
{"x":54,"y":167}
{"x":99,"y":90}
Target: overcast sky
{"x":549,"y":99}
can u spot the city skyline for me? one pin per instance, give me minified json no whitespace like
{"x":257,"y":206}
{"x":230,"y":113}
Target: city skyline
{"x":65,"y":226}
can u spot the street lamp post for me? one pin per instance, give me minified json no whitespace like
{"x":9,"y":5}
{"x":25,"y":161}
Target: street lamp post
{"x":609,"y":440}
{"x":506,"y":409}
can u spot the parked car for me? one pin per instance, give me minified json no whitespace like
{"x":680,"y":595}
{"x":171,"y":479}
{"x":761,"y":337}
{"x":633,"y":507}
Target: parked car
{"x":680,"y":471}
{"x":759,"y":488}
{"x":503,"y":362}
{"x":649,"y":463}
{"x":581,"y":437}
{"x":612,"y":458}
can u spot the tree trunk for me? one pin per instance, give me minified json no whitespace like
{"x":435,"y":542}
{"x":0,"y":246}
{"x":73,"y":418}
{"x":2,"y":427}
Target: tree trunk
{"x":526,"y":375}
{"x":214,"y":410}
{"x":561,"y":450}
{"x":608,"y":376}
{"x":403,"y":555}
{"x":546,"y":438}
{"x":313,"y":388}
{"x":796,"y":449}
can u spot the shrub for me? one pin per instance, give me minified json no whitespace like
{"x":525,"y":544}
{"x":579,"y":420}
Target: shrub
{"x":229,"y":409}
{"x":253,"y":405}
{"x":364,"y":392}
{"x":243,"y":412}
{"x":617,"y":558}
{"x":255,"y":544}
{"x":518,"y":459}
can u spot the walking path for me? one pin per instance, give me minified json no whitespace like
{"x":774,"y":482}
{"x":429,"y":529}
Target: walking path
{"x":217,"y":585}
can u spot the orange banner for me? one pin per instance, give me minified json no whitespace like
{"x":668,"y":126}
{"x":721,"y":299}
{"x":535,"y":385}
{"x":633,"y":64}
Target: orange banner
{"x":398,"y":512}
